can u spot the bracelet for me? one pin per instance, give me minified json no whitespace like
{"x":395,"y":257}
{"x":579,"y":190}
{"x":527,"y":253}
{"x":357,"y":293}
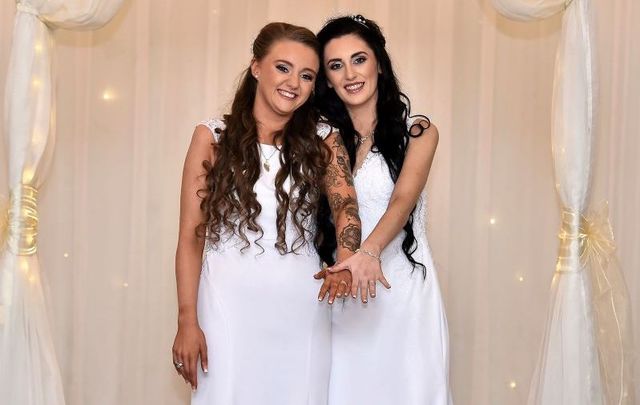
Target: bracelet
{"x":368,"y":253}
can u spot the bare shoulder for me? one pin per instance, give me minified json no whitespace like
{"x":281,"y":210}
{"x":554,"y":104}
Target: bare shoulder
{"x":424,"y":133}
{"x":202,"y":141}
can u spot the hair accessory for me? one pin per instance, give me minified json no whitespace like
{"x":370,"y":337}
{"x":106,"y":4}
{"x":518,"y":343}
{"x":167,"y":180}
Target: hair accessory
{"x":359,"y":19}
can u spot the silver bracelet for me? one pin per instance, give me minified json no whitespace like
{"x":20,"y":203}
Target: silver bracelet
{"x":368,"y":253}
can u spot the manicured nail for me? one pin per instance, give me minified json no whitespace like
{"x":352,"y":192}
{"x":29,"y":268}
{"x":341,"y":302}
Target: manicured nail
{"x":206,"y":370}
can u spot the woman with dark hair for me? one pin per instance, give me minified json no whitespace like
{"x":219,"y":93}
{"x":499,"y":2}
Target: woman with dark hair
{"x":392,"y":349}
{"x":245,"y":256}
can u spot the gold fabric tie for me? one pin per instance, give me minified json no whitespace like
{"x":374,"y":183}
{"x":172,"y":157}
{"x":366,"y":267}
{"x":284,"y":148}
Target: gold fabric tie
{"x":20,"y":221}
{"x":592,"y":236}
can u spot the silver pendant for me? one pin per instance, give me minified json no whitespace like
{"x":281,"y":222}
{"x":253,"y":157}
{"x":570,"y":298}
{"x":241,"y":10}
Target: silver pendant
{"x":266,"y":166}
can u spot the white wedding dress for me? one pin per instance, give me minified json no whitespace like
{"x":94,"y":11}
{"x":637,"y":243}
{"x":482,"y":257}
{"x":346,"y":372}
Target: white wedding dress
{"x":268,"y":337}
{"x":394,"y":350}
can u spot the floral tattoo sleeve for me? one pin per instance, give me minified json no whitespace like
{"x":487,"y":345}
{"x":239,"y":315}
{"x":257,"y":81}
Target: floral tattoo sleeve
{"x":342,"y":199}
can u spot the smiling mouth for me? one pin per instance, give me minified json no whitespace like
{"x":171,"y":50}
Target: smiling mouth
{"x":354,"y":88}
{"x":287,"y":94}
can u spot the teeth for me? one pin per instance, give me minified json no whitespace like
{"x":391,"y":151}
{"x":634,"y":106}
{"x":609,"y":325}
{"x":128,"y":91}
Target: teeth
{"x":286,"y":93}
{"x":355,"y":86}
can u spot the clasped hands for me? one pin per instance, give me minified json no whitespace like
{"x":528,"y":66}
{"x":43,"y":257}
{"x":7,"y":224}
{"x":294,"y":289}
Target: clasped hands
{"x":357,"y":275}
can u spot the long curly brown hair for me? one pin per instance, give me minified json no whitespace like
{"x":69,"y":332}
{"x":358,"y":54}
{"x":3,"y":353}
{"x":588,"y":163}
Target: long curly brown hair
{"x":229,"y":203}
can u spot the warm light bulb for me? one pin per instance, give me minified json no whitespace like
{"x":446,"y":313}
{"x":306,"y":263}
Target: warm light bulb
{"x":492,"y":221}
{"x":520,"y":278}
{"x":38,"y":47}
{"x":512,"y":385}
{"x":125,"y":285}
{"x":65,"y":255}
{"x":107,"y":95}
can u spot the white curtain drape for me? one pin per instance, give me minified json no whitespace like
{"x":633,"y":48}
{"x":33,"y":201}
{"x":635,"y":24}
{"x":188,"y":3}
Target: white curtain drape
{"x":29,"y":372}
{"x":130,"y":93}
{"x":585,"y":356}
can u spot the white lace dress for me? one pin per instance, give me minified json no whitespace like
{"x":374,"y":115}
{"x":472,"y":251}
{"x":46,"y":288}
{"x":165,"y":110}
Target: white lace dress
{"x":394,"y":349}
{"x":268,"y":337}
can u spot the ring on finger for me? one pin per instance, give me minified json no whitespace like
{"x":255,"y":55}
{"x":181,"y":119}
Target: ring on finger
{"x":178,"y":364}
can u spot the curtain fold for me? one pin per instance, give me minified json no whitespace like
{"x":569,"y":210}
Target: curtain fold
{"x":587,"y":338}
{"x":29,"y":372}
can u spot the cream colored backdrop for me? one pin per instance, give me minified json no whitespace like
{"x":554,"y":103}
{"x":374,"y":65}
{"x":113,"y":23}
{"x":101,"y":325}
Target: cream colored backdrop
{"x":129,"y":95}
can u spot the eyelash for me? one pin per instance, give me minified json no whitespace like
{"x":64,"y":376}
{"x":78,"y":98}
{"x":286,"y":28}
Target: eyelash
{"x":357,"y":61}
{"x":285,"y":69}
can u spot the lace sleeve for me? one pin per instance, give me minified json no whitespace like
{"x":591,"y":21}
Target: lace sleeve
{"x":215,"y":125}
{"x":323,"y":129}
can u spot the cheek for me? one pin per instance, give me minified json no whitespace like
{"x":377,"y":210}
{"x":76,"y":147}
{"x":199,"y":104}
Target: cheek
{"x":333,"y":78}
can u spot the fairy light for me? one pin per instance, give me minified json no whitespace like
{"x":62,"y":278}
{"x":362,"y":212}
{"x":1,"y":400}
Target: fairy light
{"x":125,"y":284}
{"x":492,"y":221}
{"x":38,"y":47}
{"x":512,"y":385}
{"x":65,"y":255}
{"x":107,"y":95}
{"x":521,"y":279}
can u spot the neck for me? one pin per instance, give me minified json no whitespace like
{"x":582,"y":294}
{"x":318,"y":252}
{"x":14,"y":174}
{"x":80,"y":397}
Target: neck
{"x":268,"y":122}
{"x":364,"y":116}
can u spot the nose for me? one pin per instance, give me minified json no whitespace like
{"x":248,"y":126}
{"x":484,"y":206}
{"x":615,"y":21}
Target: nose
{"x":349,"y":72}
{"x":294,"y":82}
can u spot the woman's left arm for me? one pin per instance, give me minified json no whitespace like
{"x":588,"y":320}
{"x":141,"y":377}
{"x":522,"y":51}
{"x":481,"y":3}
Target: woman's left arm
{"x":411,"y":182}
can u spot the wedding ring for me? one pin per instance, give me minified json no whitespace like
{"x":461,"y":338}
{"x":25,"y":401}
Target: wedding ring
{"x":178,"y":364}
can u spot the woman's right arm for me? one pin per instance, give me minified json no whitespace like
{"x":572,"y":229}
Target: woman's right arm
{"x":190,"y":342}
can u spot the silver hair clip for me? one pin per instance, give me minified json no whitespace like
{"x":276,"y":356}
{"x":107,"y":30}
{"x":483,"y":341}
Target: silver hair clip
{"x":359,"y":19}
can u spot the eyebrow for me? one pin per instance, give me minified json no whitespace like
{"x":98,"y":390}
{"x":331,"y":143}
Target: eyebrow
{"x":352,"y":56}
{"x":291,"y":64}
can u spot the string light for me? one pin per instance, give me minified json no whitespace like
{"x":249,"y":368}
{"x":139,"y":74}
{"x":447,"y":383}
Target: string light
{"x":37,"y":47}
{"x":521,"y":278}
{"x":107,"y":95}
{"x":492,"y":221}
{"x":36,"y":83}
{"x":65,"y":255}
{"x":125,"y":284}
{"x":512,"y":385}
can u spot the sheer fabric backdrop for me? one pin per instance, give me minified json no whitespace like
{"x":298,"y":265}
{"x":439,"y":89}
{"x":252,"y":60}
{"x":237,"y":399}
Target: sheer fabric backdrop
{"x":130,"y":93}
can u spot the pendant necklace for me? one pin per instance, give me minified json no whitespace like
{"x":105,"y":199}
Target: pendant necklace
{"x":266,"y":164}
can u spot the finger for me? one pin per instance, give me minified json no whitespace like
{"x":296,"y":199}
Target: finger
{"x":193,"y":371}
{"x":384,"y":281}
{"x":323,"y":290}
{"x":186,"y":369}
{"x":372,"y":288}
{"x":342,"y":289}
{"x":321,"y":274}
{"x":338,"y":267}
{"x":363,"y":291}
{"x":204,"y":357}
{"x":332,"y":292}
{"x":354,"y":288}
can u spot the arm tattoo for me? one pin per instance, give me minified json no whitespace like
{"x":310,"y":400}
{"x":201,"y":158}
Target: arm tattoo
{"x":350,"y":237}
{"x":340,"y":169}
{"x":348,"y":204}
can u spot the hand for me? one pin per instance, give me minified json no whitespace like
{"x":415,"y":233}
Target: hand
{"x":336,"y":284}
{"x":365,"y":272}
{"x":188,"y":345}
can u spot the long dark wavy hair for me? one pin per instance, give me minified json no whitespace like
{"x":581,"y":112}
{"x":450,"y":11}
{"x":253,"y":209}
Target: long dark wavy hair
{"x":229,"y":202}
{"x":391,"y":135}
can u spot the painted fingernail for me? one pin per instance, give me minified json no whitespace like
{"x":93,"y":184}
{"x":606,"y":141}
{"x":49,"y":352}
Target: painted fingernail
{"x":206,"y":370}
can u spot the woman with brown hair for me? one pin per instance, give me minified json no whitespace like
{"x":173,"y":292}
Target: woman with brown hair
{"x":250,"y":190}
